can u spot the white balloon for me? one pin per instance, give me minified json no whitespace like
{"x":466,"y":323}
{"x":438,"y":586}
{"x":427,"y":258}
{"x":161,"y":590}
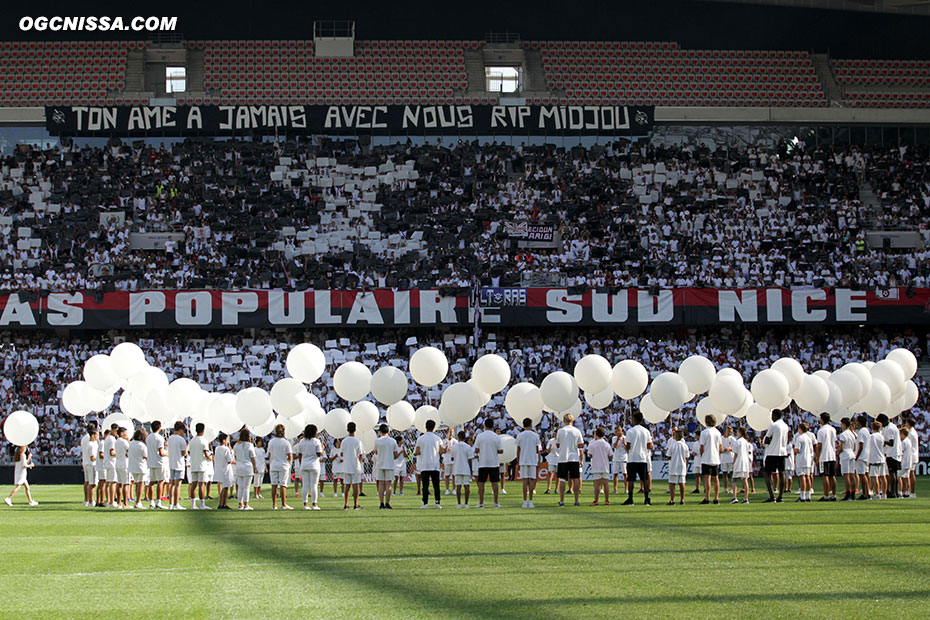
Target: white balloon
{"x":308,"y":401}
{"x":127,"y":359}
{"x":424,"y":413}
{"x":759,"y":418}
{"x":593,"y":373}
{"x":336,"y":421}
{"x":823,"y":374}
{"x":146,"y":380}
{"x":365,"y":414}
{"x":891,"y":374}
{"x":728,"y":372}
{"x":428,"y":366}
{"x":705,"y":408}
{"x":523,"y":400}
{"x":116,"y":418}
{"x":352,"y":381}
{"x":21,"y":428}
{"x":265,"y":428}
{"x":485,"y":397}
{"x":400,"y":415}
{"x":367,"y":437}
{"x":253,"y":406}
{"x":669,"y":391}
{"x":575,"y":409}
{"x":315,"y":416}
{"x":601,"y":400}
{"x":223,"y":415}
{"x":744,"y":408}
{"x":156,"y":407}
{"x":868,"y":365}
{"x":182,"y":395}
{"x":911,"y":394}
{"x":306,"y":362}
{"x":293,"y":426}
{"x":491,"y":373}
{"x":98,"y":401}
{"x":792,"y":370}
{"x":813,"y":394}
{"x":862,"y":373}
{"x":652,"y":413}
{"x":849,"y":386}
{"x":130,"y":406}
{"x":878,"y":398}
{"x":99,"y":373}
{"x":285,"y":396}
{"x":558,"y":391}
{"x":698,"y":373}
{"x":727,"y":395}
{"x":75,"y":398}
{"x":834,"y":404}
{"x":389,"y":385}
{"x":905,"y":359}
{"x":770,"y":387}
{"x":509,"y":445}
{"x":629,"y":379}
{"x":460,"y":403}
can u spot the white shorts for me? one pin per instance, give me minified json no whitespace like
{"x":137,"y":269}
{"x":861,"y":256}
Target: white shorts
{"x":399,"y":472}
{"x":136,"y":477}
{"x":878,"y":469}
{"x":447,"y":469}
{"x":527,"y":472}
{"x":553,"y":463}
{"x":156,"y":474}
{"x":257,"y":479}
{"x":19,"y":477}
{"x":600,"y":475}
{"x":225,"y":481}
{"x":789,"y":473}
{"x":907,"y":462}
{"x":726,"y":468}
{"x":279,"y":477}
{"x":176,"y":474}
{"x":847,"y":465}
{"x":90,"y":474}
{"x":122,"y":476}
{"x":384,"y":475}
{"x":741,"y":475}
{"x":110,"y":473}
{"x":618,"y":468}
{"x":352,"y":478}
{"x":462,"y":480}
{"x":677,"y":478}
{"x":804,"y":471}
{"x":197,"y":476}
{"x":862,"y":468}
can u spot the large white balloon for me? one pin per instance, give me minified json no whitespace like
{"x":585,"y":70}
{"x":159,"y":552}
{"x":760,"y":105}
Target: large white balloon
{"x":728,"y":373}
{"x":813,"y":394}
{"x":428,"y":366}
{"x":849,"y":386}
{"x":744,"y":408}
{"x":365,"y":414}
{"x":601,"y":400}
{"x":727,"y":395}
{"x":759,"y":418}
{"x":485,"y":397}
{"x":315,"y":416}
{"x":651,"y":412}
{"x":352,"y":381}
{"x":146,"y":380}
{"x":491,"y":373}
{"x":127,"y":359}
{"x":156,"y":407}
{"x":306,"y":362}
{"x":265,"y":428}
{"x":368,"y":438}
{"x":21,"y":428}
{"x":460,"y":403}
{"x":389,"y":385}
{"x":669,"y":391}
{"x":698,"y":373}
{"x":891,"y":374}
{"x":223,"y":415}
{"x":509,"y":445}
{"x":99,"y":372}
{"x":905,"y":359}
{"x":336,"y":421}
{"x":575,"y":410}
{"x":75,"y":398}
{"x":253,"y":406}
{"x":792,"y":370}
{"x":293,"y":426}
{"x":823,"y":374}
{"x":834,"y":404}
{"x":629,"y":379}
{"x":400,"y":415}
{"x":424,"y":413}
{"x":862,"y":373}
{"x":285,"y":396}
{"x":770,"y":387}
{"x":705,"y":408}
{"x":911,"y":394}
{"x":878,"y":398}
{"x":130,"y":406}
{"x":593,"y":373}
{"x":182,"y":395}
{"x":558,"y":391}
{"x":523,"y":400}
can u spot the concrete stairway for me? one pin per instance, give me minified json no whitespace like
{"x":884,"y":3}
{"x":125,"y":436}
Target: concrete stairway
{"x":831,"y":89}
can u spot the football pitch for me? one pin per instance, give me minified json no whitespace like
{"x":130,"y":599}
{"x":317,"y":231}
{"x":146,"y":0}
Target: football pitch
{"x":812,"y":560}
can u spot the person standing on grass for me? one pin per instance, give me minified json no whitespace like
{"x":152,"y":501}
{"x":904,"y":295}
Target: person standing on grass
{"x":529,"y":447}
{"x":100,"y":464}
{"x":488,"y":449}
{"x":569,"y":443}
{"x":825,"y":451}
{"x":280,"y":455}
{"x":244,"y":455}
{"x":335,"y":460}
{"x":878,"y":467}
{"x":22,"y":463}
{"x":462,"y":455}
{"x":696,"y":464}
{"x":914,"y":445}
{"x":222,"y":461}
{"x":711,"y":449}
{"x":804,"y":461}
{"x":121,"y":447}
{"x":600,"y":452}
{"x":199,"y":450}
{"x":903,"y":473}
{"x":260,"y":457}
{"x":448,"y":445}
{"x":309,"y":451}
{"x":790,"y":468}
{"x":177,"y":450}
{"x":776,"y":449}
{"x":552,"y":460}
{"x":847,"y":450}
{"x":726,"y":457}
{"x":862,"y":456}
{"x":109,"y":466}
{"x":156,"y":453}
{"x":677,"y":453}
{"x":639,"y":447}
{"x":892,"y":452}
{"x":352,"y":455}
{"x":400,"y":471}
{"x":89,"y":450}
{"x":618,"y":465}
{"x":386,"y":451}
{"x":138,"y":463}
{"x":742,"y":464}
{"x":427,"y":451}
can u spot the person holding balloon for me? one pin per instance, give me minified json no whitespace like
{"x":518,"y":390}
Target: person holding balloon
{"x":22,"y":462}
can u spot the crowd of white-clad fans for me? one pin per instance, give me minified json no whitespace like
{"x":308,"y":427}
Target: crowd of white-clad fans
{"x":36,"y":367}
{"x":330,"y":215}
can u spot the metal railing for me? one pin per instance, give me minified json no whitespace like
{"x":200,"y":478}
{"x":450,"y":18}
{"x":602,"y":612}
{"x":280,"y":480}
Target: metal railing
{"x":334,"y":29}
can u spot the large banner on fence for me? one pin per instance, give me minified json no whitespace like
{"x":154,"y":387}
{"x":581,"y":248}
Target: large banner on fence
{"x":505,"y":307}
{"x":473,"y":120}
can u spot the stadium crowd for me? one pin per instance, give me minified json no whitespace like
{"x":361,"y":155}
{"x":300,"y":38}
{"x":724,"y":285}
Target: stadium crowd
{"x":324,"y":214}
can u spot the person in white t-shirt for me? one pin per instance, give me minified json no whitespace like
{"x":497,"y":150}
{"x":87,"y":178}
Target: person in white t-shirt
{"x":903,"y":472}
{"x":892,"y":452}
{"x":695,"y":447}
{"x":825,"y":452}
{"x":386,"y":452}
{"x":280,"y":455}
{"x":428,"y":451}
{"x":335,"y":461}
{"x":260,"y":457}
{"x":618,"y":465}
{"x":352,"y":454}
{"x":222,"y":460}
{"x":776,"y":449}
{"x":447,"y":460}
{"x":138,"y":466}
{"x":804,"y":460}
{"x":177,"y":450}
{"x":711,"y":449}
{"x":121,"y":448}
{"x":742,"y":464}
{"x":100,"y":465}
{"x":878,"y":468}
{"x":862,"y":457}
{"x":600,"y":452}
{"x":726,"y":457}
{"x":677,"y":452}
{"x":462,"y":455}
{"x":200,"y":454}
{"x":846,"y":443}
{"x":400,"y":472}
{"x":914,"y":443}
{"x":22,"y":463}
{"x":155,"y":444}
{"x":308,"y":452}
{"x":488,"y":449}
{"x":529,"y":448}
{"x":109,"y":466}
{"x":552,"y":462}
{"x":89,"y":449}
{"x":570,"y":443}
{"x":244,"y":455}
{"x":639,"y":448}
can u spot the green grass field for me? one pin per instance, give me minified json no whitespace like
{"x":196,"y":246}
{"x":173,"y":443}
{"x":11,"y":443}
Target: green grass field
{"x":816,"y":560}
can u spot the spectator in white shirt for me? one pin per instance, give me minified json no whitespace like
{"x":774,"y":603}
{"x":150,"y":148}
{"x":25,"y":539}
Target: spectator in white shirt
{"x":677,"y":453}
{"x":488,"y":450}
{"x":528,"y":449}
{"x":825,"y":450}
{"x":600,"y":452}
{"x":569,"y":443}
{"x":711,"y":447}
{"x":177,"y":450}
